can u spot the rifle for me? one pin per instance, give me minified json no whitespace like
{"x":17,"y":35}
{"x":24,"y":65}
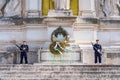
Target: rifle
{"x":14,"y":42}
{"x":96,"y":49}
{"x":18,"y":46}
{"x":21,"y":50}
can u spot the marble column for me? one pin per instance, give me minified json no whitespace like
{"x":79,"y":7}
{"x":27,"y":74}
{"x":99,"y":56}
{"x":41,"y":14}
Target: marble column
{"x":79,"y":8}
{"x":93,"y":7}
{"x":40,"y":7}
{"x":23,"y":8}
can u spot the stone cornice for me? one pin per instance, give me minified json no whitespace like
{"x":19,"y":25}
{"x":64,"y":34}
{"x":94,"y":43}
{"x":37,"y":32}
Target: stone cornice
{"x":60,"y":19}
{"x":85,"y":24}
{"x":110,"y":21}
{"x":48,"y":20}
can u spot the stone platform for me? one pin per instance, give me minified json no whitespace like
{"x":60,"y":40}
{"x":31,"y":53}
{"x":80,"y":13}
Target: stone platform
{"x":71,"y":53}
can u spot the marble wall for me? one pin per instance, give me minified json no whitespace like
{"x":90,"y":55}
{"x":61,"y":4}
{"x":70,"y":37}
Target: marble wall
{"x":84,"y":33}
{"x":82,"y":29}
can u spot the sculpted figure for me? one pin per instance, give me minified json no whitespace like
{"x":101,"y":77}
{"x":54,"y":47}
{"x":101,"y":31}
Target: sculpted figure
{"x":118,"y":7}
{"x":62,"y":4}
{"x":105,"y":6}
{"x":10,"y":8}
{"x":3,"y":4}
{"x":13,"y":8}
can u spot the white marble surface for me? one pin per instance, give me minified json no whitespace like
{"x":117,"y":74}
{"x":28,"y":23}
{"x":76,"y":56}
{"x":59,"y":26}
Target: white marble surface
{"x":36,"y":34}
{"x":7,"y":36}
{"x":33,"y":10}
{"x":109,"y":36}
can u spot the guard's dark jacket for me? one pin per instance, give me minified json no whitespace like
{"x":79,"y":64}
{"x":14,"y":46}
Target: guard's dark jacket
{"x":97,"y":47}
{"x":24,"y":49}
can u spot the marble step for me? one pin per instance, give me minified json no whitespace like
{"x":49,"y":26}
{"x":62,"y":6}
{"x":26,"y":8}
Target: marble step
{"x":65,"y":77}
{"x":59,"y":67}
{"x":59,"y":72}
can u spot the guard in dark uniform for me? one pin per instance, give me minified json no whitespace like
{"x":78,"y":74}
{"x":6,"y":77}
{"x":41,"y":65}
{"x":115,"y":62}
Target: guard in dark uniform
{"x":24,"y":49}
{"x":97,"y":51}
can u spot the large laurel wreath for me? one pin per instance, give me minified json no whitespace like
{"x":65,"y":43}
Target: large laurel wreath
{"x":63,"y":43}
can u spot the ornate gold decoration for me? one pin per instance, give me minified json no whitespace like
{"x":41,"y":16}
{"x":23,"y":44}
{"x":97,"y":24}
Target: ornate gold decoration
{"x":59,"y":40}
